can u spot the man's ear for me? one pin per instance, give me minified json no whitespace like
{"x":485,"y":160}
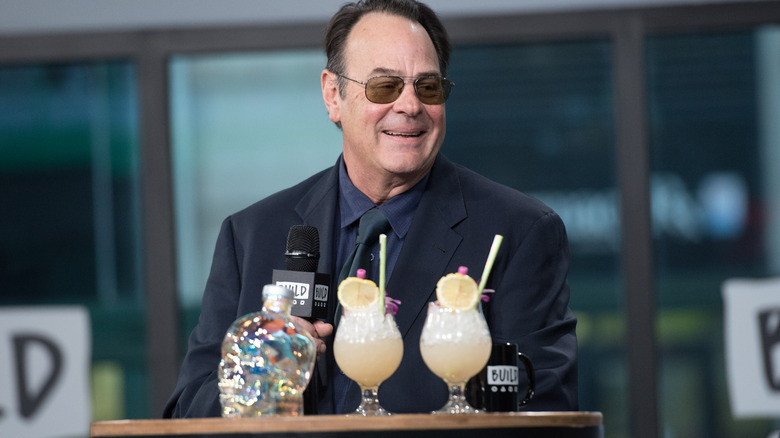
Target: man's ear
{"x":330,"y":95}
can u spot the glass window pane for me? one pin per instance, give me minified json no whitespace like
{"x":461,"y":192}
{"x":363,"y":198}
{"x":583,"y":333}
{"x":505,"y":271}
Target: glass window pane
{"x":714,"y":207}
{"x":70,"y":227}
{"x":244,"y":126}
{"x":539,"y":118}
{"x":535,"y":117}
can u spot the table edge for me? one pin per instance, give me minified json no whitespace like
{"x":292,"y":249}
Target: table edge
{"x":333,"y":423}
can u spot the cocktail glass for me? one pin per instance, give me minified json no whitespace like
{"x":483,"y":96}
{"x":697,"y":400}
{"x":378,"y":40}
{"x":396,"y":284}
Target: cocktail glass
{"x":455,"y":345}
{"x":368,"y":349}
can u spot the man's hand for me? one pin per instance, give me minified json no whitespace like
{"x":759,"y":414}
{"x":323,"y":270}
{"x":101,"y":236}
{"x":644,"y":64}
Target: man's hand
{"x":318,"y":331}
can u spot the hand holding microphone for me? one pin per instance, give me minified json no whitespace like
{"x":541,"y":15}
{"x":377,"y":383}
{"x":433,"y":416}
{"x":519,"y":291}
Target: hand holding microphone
{"x":317,"y":329}
{"x":310,"y":289}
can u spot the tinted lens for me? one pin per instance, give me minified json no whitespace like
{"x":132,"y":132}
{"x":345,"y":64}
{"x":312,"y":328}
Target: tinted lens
{"x":432,"y":90}
{"x":384,"y":89}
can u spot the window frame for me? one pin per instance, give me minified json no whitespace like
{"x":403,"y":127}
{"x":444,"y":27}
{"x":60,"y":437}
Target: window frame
{"x":627,"y":29}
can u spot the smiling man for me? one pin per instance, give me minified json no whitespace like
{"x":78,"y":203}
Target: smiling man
{"x":388,"y":147}
{"x":385,"y":87}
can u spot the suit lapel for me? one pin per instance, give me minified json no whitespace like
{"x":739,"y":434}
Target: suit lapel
{"x":318,"y":208}
{"x":429,"y":245}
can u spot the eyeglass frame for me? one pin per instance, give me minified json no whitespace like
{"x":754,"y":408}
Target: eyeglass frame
{"x":403,"y":78}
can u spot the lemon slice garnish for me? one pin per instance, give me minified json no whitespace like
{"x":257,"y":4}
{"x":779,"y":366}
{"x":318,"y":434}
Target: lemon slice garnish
{"x":356,"y":293}
{"x":457,"y":291}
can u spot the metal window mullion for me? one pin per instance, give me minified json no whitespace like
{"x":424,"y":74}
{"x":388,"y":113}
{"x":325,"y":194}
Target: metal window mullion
{"x":633,"y":162}
{"x":162,"y":309}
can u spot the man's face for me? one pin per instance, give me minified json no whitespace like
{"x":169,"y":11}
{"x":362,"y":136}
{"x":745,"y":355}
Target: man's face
{"x":398,"y":139}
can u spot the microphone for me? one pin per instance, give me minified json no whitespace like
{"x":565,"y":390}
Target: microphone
{"x":310,"y":289}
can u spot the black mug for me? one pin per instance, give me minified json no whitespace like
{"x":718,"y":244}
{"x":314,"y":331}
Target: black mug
{"x":496,"y":388}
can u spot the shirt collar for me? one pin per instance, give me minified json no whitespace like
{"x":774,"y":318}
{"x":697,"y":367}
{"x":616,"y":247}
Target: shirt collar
{"x":399,"y":209}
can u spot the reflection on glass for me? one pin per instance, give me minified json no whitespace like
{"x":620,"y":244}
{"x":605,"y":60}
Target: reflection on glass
{"x":243,"y":127}
{"x":70,"y":227}
{"x":711,"y":145}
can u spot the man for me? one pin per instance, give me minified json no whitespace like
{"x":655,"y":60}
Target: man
{"x":384,"y":86}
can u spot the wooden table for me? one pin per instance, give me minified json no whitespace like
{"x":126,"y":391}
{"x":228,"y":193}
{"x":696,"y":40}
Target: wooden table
{"x":492,"y":425}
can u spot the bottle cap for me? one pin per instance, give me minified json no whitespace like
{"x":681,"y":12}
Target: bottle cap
{"x":279,"y":291}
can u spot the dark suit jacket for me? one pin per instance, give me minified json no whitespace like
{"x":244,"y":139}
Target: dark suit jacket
{"x":454,"y":225}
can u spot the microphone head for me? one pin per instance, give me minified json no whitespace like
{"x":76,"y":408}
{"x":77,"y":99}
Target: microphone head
{"x":303,"y":248}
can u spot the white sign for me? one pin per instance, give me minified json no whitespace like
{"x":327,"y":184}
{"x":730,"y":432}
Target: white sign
{"x":44,"y":372}
{"x":502,"y":375}
{"x":752,"y":337}
{"x":300,"y":290}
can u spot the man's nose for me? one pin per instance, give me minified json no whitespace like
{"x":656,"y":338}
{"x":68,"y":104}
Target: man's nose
{"x":408,"y":101}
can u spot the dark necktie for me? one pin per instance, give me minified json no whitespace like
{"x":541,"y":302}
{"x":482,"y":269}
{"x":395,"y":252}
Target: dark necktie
{"x":372,"y":224}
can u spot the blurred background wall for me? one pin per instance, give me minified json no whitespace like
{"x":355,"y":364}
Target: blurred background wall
{"x":130,"y":130}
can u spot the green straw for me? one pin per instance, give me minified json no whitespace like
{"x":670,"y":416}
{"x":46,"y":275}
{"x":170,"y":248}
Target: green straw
{"x":489,"y":264}
{"x":382,"y":264}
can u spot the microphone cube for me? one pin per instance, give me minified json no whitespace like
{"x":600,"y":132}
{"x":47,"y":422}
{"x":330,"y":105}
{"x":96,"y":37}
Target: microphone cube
{"x":310,"y":292}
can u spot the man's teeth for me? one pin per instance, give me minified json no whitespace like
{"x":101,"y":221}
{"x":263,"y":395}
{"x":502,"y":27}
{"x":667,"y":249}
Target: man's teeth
{"x":403,"y":134}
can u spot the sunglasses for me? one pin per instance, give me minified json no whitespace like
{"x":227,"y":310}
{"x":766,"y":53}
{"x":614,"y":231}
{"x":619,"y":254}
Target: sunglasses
{"x":431,"y":90}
